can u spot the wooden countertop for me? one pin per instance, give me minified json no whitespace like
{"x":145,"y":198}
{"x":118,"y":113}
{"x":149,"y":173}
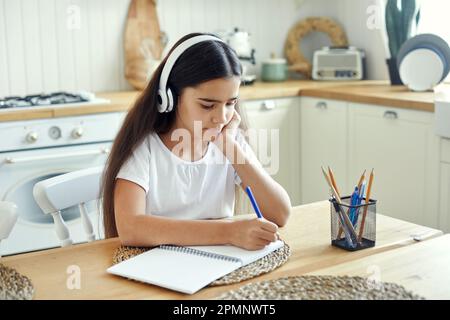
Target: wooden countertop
{"x":369,"y":91}
{"x":377,"y":94}
{"x":422,"y":268}
{"x":307,"y":233}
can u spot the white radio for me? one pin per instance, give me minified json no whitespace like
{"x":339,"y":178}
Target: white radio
{"x":338,"y":63}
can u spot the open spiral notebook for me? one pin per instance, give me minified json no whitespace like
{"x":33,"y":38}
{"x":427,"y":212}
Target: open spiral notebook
{"x":188,"y":269}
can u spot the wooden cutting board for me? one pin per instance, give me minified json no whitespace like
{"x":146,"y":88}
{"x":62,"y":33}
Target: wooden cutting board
{"x":142,"y":42}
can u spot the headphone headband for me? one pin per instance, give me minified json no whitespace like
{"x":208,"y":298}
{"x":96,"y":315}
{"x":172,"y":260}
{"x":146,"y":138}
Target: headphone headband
{"x":165,"y":95}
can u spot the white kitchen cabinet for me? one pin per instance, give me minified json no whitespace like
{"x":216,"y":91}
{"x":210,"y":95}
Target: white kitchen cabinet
{"x":323,"y":136}
{"x":444,"y":215}
{"x":402,"y":148}
{"x":276,"y":122}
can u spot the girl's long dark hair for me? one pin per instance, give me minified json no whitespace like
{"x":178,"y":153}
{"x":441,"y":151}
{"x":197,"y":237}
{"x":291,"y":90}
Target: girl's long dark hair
{"x":207,"y":60}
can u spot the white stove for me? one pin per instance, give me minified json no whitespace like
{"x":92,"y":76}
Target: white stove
{"x":34,"y":150}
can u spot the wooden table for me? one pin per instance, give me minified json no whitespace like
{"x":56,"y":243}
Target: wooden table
{"x":307,"y":233}
{"x":423,"y":268}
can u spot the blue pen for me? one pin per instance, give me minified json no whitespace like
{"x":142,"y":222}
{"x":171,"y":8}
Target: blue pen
{"x":354,"y":202}
{"x":360,"y":197}
{"x":361,"y":193}
{"x":253,"y":201}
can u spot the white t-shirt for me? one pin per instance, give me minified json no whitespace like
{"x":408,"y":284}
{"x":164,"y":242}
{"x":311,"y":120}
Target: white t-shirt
{"x":181,"y":189}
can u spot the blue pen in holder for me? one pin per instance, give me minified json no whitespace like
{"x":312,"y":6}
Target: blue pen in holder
{"x":357,"y":230}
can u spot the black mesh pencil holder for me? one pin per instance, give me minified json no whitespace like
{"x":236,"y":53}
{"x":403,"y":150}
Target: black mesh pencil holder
{"x":353,"y":227}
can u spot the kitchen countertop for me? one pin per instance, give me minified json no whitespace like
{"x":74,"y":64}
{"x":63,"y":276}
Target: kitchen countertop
{"x":368,"y":91}
{"x":307,"y":233}
{"x":377,"y":94}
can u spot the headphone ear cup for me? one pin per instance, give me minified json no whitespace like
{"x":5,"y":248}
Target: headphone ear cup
{"x":170,"y":103}
{"x":162,"y":101}
{"x":174,"y":101}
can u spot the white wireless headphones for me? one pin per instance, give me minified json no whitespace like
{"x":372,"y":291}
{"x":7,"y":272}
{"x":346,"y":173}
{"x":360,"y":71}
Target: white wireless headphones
{"x":165,"y":96}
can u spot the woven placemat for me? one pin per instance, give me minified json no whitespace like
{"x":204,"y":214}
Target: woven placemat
{"x":14,"y":286}
{"x":254,"y":269}
{"x":320,"y":288}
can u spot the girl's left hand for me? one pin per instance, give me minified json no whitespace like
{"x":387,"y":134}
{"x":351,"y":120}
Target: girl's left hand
{"x":229,"y":131}
{"x":231,"y":128}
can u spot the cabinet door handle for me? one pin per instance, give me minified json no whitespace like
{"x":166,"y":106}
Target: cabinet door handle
{"x":267,"y":105}
{"x":390,"y":115}
{"x":321,"y":105}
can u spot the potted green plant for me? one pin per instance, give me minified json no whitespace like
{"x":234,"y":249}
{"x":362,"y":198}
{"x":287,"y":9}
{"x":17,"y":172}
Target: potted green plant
{"x":401,"y":23}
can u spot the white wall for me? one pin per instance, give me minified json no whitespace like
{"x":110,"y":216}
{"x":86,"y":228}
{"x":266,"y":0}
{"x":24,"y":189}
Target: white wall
{"x":40,"y":53}
{"x":354,"y":15}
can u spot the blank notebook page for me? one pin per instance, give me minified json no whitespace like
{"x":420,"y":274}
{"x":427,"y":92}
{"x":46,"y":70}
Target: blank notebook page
{"x":174,"y":270}
{"x":246,"y":256}
{"x":187,"y":272}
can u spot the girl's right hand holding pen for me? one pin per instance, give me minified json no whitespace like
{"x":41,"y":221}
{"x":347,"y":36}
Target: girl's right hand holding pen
{"x":252,"y":234}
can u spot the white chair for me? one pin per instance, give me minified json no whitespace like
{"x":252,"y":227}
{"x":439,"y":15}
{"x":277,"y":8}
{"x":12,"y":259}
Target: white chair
{"x":67,"y":190}
{"x":8,"y":218}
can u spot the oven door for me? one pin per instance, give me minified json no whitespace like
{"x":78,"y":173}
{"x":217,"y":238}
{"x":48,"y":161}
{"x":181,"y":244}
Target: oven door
{"x":21,"y":170}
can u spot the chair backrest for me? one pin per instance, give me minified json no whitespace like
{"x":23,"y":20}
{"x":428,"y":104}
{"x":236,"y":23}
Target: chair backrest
{"x":8,"y":218}
{"x":67,"y":190}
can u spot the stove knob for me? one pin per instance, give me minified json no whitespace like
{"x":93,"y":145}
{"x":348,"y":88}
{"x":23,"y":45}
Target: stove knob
{"x":32,"y":137}
{"x":77,"y":133}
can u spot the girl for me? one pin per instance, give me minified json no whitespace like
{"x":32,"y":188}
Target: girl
{"x":156,"y":192}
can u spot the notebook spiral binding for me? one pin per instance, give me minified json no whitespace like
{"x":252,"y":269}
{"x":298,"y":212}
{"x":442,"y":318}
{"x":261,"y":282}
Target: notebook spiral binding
{"x":198,"y":252}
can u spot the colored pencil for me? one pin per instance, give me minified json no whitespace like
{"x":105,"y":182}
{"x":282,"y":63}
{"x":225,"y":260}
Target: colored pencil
{"x":369,"y":189}
{"x":333,"y":181}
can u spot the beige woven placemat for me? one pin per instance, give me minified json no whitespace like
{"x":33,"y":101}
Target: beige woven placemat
{"x":320,"y":288}
{"x":14,"y":286}
{"x":261,"y":266}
